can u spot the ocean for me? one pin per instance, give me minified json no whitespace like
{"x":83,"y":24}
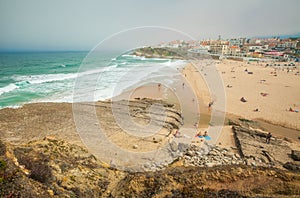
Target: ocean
{"x":31,"y":77}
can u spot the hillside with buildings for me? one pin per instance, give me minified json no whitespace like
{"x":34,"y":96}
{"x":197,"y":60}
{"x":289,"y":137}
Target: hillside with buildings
{"x":271,"y":48}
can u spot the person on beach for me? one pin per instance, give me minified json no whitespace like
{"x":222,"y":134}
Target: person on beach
{"x":158,"y":85}
{"x":268,"y":138}
{"x":196,"y":125}
{"x":177,"y":134}
{"x":210,"y":104}
{"x":182,"y":85}
{"x":198,"y":134}
{"x":293,"y":110}
{"x":205,"y":134}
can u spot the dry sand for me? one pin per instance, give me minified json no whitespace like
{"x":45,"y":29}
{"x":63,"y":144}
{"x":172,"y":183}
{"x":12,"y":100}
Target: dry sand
{"x":282,"y":92}
{"x":271,"y":94}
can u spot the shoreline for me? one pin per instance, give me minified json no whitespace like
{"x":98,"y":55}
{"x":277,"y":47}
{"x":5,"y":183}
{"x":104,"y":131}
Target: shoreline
{"x":235,"y":108}
{"x":287,"y":128}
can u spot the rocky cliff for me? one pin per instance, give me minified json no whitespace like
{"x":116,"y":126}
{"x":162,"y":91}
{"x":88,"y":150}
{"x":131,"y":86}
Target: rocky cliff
{"x":40,"y":157}
{"x":54,"y":168}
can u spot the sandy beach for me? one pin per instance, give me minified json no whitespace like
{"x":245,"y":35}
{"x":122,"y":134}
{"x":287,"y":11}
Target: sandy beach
{"x":269,"y":93}
{"x":272,"y":94}
{"x":46,"y":128}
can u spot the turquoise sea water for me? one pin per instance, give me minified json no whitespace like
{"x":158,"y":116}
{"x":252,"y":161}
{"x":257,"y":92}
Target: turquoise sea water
{"x":50,"y":76}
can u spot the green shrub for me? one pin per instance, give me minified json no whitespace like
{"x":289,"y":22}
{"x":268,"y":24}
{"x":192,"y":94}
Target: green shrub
{"x":2,"y":165}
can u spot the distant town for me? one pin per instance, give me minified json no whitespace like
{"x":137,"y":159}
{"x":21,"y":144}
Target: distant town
{"x":259,"y":49}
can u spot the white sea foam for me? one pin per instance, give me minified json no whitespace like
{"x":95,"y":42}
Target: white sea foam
{"x":129,"y":55}
{"x":8,"y":88}
{"x":13,"y":106}
{"x":45,"y":78}
{"x":103,"y":82}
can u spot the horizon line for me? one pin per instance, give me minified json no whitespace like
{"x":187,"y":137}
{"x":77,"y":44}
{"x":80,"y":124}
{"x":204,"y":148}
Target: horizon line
{"x":22,"y":50}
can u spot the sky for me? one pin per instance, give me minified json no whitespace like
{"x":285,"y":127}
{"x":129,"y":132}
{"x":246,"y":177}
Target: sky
{"x":81,"y":25}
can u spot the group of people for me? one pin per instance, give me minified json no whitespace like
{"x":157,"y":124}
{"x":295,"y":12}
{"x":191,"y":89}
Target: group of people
{"x":199,"y":134}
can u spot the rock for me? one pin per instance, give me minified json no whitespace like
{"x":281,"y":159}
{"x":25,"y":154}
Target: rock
{"x":210,"y":164}
{"x":135,"y":146}
{"x":295,"y":155}
{"x":288,"y":139}
{"x":182,"y":147}
{"x":51,"y":193}
{"x":197,"y":156}
{"x":217,"y":149}
{"x":236,"y":155}
{"x":157,"y":140}
{"x":214,"y":153}
{"x":187,"y":157}
{"x":147,"y":166}
{"x":173,"y":146}
{"x":190,"y":153}
{"x":292,"y":166}
{"x":252,"y":145}
{"x":263,"y":160}
{"x":229,"y":154}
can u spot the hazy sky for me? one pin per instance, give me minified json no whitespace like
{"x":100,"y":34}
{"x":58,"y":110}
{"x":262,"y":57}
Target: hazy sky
{"x":80,"y":25}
